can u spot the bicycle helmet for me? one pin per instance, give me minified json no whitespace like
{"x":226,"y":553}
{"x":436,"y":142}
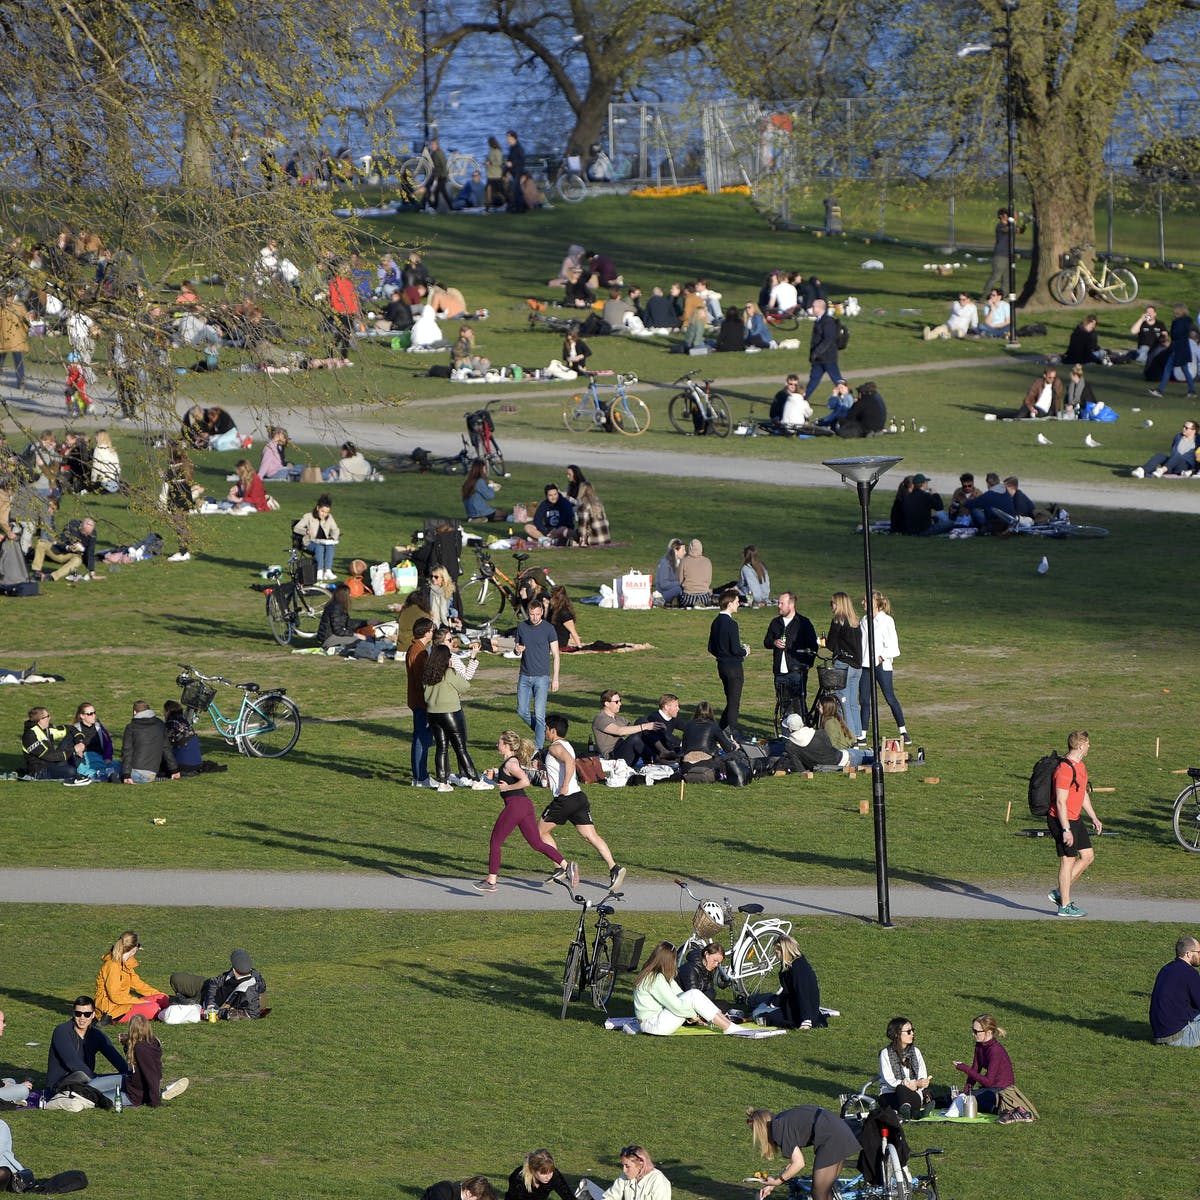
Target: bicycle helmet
{"x":713,"y":911}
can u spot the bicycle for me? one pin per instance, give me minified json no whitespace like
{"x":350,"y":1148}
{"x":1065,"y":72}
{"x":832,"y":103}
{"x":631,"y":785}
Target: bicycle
{"x":751,"y":954}
{"x":613,"y":950}
{"x":784,"y":320}
{"x":481,"y":430}
{"x":1060,"y":527}
{"x":531,"y":583}
{"x":267,"y":724}
{"x":624,"y":412}
{"x":1070,"y":286}
{"x":566,"y":178}
{"x":419,"y":167}
{"x":698,"y":409}
{"x":898,"y":1182}
{"x":294,"y":608}
{"x":1185,"y":815}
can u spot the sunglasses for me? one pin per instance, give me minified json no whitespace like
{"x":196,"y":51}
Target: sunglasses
{"x":90,"y":713}
{"x":83,"y":1014}
{"x":631,"y":1152}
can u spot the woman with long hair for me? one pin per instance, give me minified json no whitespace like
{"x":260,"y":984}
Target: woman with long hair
{"x":575,"y":479}
{"x":444,"y":690}
{"x":666,"y":574}
{"x":990,"y":1071}
{"x":118,"y":980}
{"x":831,"y":721}
{"x":904,"y":1080}
{"x":106,"y":464}
{"x":662,"y":1006}
{"x":887,"y":650}
{"x":562,"y":617}
{"x":575,"y":352}
{"x":441,"y":598}
{"x":787,"y":1133}
{"x":844,"y":642}
{"x":249,"y":487}
{"x":511,"y":778}
{"x":703,"y":736}
{"x":758,"y":332}
{"x":143,"y":1083}
{"x":537,"y":1177}
{"x":320,"y":534}
{"x":591,"y":521}
{"x":416,"y":605}
{"x":478,"y":492}
{"x":335,"y":628}
{"x":797,"y":1004}
{"x":754,"y":582}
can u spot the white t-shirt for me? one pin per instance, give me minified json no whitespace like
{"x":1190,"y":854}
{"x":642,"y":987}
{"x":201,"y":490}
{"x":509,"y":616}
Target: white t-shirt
{"x":963,"y":317}
{"x":555,"y":770}
{"x":796,"y":410}
{"x":784,"y":297}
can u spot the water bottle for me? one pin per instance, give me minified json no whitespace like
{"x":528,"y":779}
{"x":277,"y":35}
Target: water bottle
{"x":117,"y":1105}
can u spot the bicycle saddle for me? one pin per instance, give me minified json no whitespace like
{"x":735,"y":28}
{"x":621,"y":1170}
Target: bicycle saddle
{"x":520,"y":559}
{"x":1194,"y":772}
{"x":248,"y":687}
{"x":751,"y":910}
{"x":605,"y":910}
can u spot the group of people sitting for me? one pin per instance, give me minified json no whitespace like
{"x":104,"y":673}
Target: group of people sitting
{"x":84,"y":752}
{"x":849,"y":414}
{"x":76,"y":464}
{"x":574,"y":517}
{"x":684,"y":574}
{"x":919,"y":510}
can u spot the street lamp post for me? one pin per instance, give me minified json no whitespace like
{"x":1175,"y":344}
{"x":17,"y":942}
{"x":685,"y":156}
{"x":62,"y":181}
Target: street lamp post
{"x":864,"y":473}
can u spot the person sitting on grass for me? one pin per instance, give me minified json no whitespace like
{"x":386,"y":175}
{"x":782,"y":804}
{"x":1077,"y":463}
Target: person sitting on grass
{"x":699,"y":971}
{"x":248,"y":490}
{"x":143,"y":1084}
{"x":74,"y":1045}
{"x":273,"y":466}
{"x":616,"y":739}
{"x":537,"y":1177}
{"x":640,"y":1179}
{"x":990,"y":1073}
{"x":118,"y":980}
{"x":1180,"y":461}
{"x":336,"y":630}
{"x":319,"y":534}
{"x":234,"y":995}
{"x":145,"y":749}
{"x":695,"y":576}
{"x":904,"y":1079}
{"x":662,"y":1006}
{"x":797,"y":1003}
{"x":666,"y":574}
{"x":554,"y":520}
{"x":93,"y":745}
{"x":1044,"y":397}
{"x":963,"y":319}
{"x":474,"y":1188}
{"x":50,"y":750}
{"x":478,"y":492}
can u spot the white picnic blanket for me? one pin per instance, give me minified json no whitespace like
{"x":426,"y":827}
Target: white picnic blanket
{"x":631,"y":1025}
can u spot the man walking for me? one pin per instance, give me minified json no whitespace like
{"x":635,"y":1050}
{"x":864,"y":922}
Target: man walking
{"x":1071,"y":840}
{"x":793,"y":642}
{"x":414,"y":661}
{"x":726,"y":646}
{"x":537,"y":644}
{"x":823,"y":349}
{"x":1175,"y":1001}
{"x":570,"y":804}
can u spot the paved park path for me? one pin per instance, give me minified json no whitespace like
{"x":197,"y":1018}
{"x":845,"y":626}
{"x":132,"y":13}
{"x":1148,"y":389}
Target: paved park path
{"x":940,"y":897}
{"x":399,"y":430}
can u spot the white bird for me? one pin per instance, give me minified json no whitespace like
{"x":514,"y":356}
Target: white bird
{"x":1043,"y":440}
{"x":1147,"y":424}
{"x":1090,"y":441}
{"x":1044,"y":565}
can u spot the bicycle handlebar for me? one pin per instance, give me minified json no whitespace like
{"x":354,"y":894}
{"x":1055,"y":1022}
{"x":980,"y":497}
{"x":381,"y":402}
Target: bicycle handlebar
{"x":685,"y":378}
{"x":206,"y":678}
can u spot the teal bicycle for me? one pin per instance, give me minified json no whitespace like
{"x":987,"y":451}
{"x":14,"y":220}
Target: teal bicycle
{"x":624,"y":412}
{"x":267,"y":724}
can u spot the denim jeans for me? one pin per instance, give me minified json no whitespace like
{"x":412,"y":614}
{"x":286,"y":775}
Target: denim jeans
{"x":139,"y":776}
{"x":422,"y":740}
{"x":108,"y":1085}
{"x":849,"y":698}
{"x":323,"y":553}
{"x":889,"y":694}
{"x":535,"y":688}
{"x":1188,"y":1037}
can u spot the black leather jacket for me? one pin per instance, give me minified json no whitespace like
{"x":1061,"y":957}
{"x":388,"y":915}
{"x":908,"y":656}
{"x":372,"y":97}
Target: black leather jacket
{"x":692,"y":974}
{"x":707,"y":736}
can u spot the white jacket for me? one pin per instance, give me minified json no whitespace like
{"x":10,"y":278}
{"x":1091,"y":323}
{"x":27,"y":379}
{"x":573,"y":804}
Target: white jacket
{"x":887,"y":644}
{"x":655,"y":1186}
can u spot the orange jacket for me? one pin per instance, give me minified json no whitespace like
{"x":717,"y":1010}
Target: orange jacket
{"x":115,"y":985}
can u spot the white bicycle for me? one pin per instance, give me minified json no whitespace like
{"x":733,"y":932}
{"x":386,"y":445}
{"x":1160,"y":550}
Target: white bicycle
{"x":751,"y":954}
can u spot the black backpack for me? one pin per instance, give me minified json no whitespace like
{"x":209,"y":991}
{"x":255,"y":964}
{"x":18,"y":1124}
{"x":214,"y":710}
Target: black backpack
{"x":843,"y":335}
{"x":1041,"y":782}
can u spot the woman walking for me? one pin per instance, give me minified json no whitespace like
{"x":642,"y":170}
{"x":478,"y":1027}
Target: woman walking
{"x":511,"y":779}
{"x":444,"y":690}
{"x":887,"y":650}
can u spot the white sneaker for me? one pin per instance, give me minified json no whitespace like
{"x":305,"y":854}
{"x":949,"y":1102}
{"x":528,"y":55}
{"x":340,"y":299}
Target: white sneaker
{"x":175,"y":1089}
{"x":482,"y":785}
{"x":442,"y":787}
{"x":1159,"y":472}
{"x":1138,"y":473}
{"x":181,"y":556}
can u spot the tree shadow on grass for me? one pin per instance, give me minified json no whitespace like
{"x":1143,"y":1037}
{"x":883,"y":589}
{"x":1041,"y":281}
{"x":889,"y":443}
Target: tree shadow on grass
{"x":1109,"y":1024}
{"x":54,"y":1004}
{"x":861,"y":871}
{"x":194,"y":625}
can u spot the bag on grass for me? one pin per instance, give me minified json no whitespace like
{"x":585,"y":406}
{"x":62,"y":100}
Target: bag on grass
{"x":589,"y":769}
{"x":738,"y":772}
{"x":381,"y":576}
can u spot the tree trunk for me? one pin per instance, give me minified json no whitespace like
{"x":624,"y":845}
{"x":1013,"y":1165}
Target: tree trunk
{"x":198,"y":87}
{"x":591,"y":116}
{"x":1064,"y":213}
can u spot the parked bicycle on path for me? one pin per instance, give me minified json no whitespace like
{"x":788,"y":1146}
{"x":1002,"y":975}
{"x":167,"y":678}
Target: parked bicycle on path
{"x":698,"y":409}
{"x":624,"y":412}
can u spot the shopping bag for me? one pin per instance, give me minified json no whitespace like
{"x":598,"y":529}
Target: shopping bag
{"x":381,"y":576}
{"x":633,"y":590}
{"x":405,"y":575}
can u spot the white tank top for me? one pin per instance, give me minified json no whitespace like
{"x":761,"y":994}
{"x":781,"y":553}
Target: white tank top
{"x":555,"y":770}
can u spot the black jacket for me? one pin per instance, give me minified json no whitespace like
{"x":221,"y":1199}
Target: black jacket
{"x":707,"y":736}
{"x":144,"y":747}
{"x":823,"y":347}
{"x":692,"y":974}
{"x":845,"y":643}
{"x":335,"y":622}
{"x":800,"y":648}
{"x":241,"y":996}
{"x":725,"y":639}
{"x":1082,"y":345}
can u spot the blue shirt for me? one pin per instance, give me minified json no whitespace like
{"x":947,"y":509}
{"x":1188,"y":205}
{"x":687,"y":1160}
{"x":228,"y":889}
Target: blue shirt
{"x":537,"y":640}
{"x":1175,"y":1000}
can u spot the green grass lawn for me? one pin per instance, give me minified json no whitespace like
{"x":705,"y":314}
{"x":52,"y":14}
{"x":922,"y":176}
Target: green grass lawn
{"x":403,"y":1049}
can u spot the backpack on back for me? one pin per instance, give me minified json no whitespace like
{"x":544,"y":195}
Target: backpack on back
{"x":843,"y":335}
{"x":1041,"y":782}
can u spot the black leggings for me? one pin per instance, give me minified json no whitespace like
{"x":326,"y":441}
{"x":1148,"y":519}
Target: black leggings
{"x":450,"y":729}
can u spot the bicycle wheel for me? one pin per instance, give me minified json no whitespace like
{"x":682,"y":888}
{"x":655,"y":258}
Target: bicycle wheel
{"x":281,"y":627}
{"x":571,"y":975}
{"x":269,"y":727}
{"x":757,"y":955}
{"x":1122,"y":286}
{"x":489,"y":599}
{"x":461,"y":168}
{"x":496,"y":462}
{"x":1067,"y":287}
{"x":629,"y":416}
{"x":1081,"y":531}
{"x":1185,"y":818}
{"x":896,"y":1182}
{"x":306,"y":611}
{"x":418,"y":168}
{"x":571,"y":187}
{"x":603,"y":975}
{"x":722,"y":426}
{"x":679,"y":413}
{"x":580,"y":414}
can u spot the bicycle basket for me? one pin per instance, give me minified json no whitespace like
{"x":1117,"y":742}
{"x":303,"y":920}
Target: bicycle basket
{"x":197,"y":694}
{"x":706,"y":922}
{"x":626,"y":949}
{"x":480,"y":422}
{"x":832,"y":679}
{"x":306,"y":571}
{"x":1069,"y":259}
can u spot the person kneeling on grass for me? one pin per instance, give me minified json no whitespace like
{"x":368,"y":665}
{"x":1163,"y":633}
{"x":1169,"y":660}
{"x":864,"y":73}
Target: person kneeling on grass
{"x":662,"y":1006}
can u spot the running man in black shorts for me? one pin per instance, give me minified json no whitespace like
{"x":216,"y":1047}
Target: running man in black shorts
{"x":569,"y":804}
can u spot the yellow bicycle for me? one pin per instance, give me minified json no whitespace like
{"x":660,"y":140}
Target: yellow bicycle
{"x":1070,"y":286}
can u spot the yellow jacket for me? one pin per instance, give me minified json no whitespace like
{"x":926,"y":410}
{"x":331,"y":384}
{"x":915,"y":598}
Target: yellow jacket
{"x":115,"y":985}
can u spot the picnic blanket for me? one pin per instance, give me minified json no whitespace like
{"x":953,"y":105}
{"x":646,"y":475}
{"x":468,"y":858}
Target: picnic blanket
{"x":935,"y":1118}
{"x":607,"y":648}
{"x":630,"y":1025}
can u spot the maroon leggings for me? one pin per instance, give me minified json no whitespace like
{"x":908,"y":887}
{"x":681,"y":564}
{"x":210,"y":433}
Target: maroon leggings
{"x":517,"y":813}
